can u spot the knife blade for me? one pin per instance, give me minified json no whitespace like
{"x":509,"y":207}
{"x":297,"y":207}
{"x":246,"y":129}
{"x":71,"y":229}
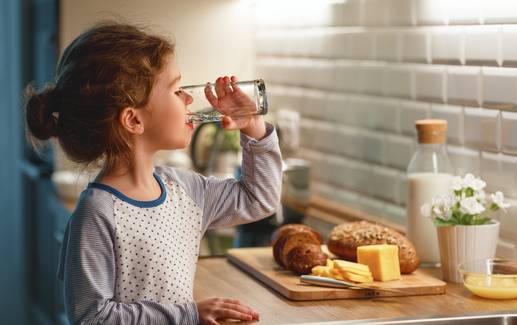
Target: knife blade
{"x":330,"y":282}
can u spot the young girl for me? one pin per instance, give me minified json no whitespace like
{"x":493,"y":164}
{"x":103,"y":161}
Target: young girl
{"x":130,"y":248}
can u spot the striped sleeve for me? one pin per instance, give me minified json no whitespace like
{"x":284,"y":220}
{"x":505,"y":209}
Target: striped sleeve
{"x":87,"y":268}
{"x":255,"y":196}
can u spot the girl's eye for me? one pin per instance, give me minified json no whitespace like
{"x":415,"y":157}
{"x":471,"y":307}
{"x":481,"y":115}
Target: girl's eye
{"x":178,"y":92}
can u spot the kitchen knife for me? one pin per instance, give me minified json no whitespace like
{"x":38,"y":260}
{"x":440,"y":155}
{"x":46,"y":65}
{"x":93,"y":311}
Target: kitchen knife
{"x":330,"y":282}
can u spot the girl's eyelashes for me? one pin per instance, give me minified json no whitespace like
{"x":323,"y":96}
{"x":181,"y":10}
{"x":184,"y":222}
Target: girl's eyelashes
{"x":178,"y":92}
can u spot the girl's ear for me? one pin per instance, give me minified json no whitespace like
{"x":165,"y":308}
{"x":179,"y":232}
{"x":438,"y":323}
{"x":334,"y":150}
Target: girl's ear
{"x":131,"y":120}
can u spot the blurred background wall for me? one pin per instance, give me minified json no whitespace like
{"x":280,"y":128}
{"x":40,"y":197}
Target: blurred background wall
{"x":358,"y":72}
{"x":361,"y":72}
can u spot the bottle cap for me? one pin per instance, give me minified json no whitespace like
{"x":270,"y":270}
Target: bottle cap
{"x":431,"y":131}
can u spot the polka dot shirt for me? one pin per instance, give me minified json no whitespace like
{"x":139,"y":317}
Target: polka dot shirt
{"x":157,"y":248}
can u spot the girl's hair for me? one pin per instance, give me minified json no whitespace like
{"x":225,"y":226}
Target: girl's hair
{"x":107,"y":68}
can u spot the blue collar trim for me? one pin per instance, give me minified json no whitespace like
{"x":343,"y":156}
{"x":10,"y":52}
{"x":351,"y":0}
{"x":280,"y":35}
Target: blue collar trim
{"x":140,"y":204}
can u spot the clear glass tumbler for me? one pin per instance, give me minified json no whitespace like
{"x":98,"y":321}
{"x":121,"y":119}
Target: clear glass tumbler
{"x":249,"y":99}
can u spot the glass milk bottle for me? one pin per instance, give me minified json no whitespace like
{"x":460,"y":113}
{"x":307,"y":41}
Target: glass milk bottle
{"x":428,"y":174}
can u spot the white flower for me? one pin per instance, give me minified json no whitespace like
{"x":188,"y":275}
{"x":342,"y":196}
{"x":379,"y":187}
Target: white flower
{"x":471,"y":206}
{"x":425,"y":210}
{"x":498,"y":199}
{"x":481,"y":197}
{"x":456,"y":183}
{"x":473,"y":182}
{"x":441,"y":206}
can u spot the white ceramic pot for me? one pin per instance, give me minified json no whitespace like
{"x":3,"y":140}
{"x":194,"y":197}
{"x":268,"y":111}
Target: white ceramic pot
{"x":465,"y":243}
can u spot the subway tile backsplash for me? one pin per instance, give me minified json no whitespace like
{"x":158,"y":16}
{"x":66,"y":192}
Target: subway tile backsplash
{"x":360,"y":72}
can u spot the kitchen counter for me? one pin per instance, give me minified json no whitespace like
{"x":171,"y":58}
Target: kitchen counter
{"x":215,"y":276}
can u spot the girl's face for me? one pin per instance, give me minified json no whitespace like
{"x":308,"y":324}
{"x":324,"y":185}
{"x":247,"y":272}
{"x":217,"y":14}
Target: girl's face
{"x":166,"y":111}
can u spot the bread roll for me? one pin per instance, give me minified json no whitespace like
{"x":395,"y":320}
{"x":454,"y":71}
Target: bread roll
{"x":301,"y":259}
{"x":345,"y":238}
{"x":286,"y":230}
{"x":289,"y":241}
{"x":293,"y":227}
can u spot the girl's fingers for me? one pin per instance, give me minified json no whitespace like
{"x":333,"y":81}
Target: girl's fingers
{"x":239,"y":308}
{"x":233,"y":82}
{"x":229,"y":124}
{"x":219,"y":88}
{"x":227,"y":88}
{"x":232,"y":301}
{"x":211,"y":321}
{"x":210,"y":96}
{"x":224,"y":313}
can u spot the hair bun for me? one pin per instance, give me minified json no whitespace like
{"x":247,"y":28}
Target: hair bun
{"x":39,"y":109}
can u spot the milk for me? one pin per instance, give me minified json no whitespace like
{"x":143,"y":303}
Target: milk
{"x":422,"y":187}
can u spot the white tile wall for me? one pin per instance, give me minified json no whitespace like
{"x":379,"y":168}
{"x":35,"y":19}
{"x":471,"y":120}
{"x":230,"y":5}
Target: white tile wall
{"x":482,"y":128}
{"x":401,"y":13}
{"x":499,"y":169}
{"x":384,"y":114}
{"x":506,"y":249}
{"x":388,"y":45}
{"x":430,"y":83}
{"x":483,"y":45}
{"x":454,"y":117}
{"x":399,"y":150}
{"x":499,"y":88}
{"x":465,"y":160}
{"x":464,"y":85}
{"x":508,"y":48}
{"x":431,"y":12}
{"x":385,"y":184}
{"x":360,"y":72}
{"x":371,"y":78}
{"x":362,"y":45}
{"x":347,"y":73}
{"x":416,"y":46}
{"x":374,"y":13}
{"x":411,"y":111}
{"x":509,"y":132}
{"x":351,"y":12}
{"x":500,"y":173}
{"x":448,"y":45}
{"x":463,"y":11}
{"x":508,"y":221}
{"x":498,"y":11}
{"x":398,"y":81}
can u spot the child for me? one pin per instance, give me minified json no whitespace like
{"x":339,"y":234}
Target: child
{"x":130,"y":248}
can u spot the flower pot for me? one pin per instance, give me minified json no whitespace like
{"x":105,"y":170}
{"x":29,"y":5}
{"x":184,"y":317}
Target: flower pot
{"x":460,"y":243}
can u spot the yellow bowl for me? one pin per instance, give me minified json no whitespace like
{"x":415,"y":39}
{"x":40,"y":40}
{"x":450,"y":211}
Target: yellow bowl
{"x":491,"y":278}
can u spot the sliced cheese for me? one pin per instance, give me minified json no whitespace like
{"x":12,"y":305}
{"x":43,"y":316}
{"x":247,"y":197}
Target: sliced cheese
{"x":351,"y":267}
{"x":356,"y":278}
{"x":383,"y":261}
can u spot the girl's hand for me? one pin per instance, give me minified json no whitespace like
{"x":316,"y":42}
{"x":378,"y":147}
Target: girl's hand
{"x":232,"y":101}
{"x":213,"y":309}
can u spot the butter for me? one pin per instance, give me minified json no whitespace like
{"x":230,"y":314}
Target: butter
{"x":383,"y":261}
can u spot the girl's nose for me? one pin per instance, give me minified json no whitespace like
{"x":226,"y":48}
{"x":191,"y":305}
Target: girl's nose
{"x":188,"y":99}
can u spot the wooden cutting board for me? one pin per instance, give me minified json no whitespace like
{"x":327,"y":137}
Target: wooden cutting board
{"x":259,"y":263}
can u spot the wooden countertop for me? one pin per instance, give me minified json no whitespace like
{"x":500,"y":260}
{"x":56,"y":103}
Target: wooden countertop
{"x":215,"y":276}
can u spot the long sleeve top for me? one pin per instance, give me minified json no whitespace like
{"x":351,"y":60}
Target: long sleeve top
{"x":125,"y":261}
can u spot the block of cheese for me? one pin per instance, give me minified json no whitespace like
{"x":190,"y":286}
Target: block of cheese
{"x":383,"y":261}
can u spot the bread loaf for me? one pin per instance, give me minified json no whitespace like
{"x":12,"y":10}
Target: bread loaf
{"x":345,"y":238}
{"x":301,"y":259}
